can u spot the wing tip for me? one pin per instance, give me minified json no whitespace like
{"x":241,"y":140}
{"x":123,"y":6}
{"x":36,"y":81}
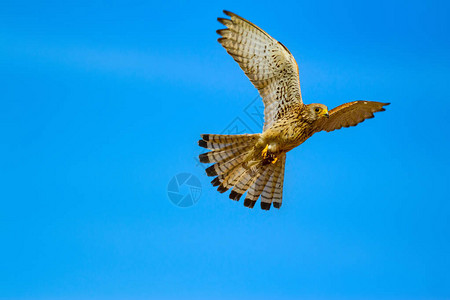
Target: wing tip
{"x":228,"y":13}
{"x":222,"y":21}
{"x":384,"y":104}
{"x":221,"y":31}
{"x":232,"y":14}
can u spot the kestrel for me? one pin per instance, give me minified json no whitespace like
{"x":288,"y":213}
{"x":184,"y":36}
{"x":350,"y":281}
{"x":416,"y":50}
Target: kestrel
{"x":254,"y":163}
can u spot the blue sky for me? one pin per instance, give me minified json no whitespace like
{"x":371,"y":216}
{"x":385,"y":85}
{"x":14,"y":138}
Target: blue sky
{"x":102,"y":103}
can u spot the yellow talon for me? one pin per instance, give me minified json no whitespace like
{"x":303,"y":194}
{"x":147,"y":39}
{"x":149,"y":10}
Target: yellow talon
{"x":272,"y":158}
{"x":264,"y":152}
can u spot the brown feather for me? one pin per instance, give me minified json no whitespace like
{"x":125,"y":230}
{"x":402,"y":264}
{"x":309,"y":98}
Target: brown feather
{"x":349,"y":114}
{"x":267,"y":63}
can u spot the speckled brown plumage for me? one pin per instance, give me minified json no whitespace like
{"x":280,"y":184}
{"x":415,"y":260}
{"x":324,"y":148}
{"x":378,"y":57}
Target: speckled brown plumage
{"x":254,"y":163}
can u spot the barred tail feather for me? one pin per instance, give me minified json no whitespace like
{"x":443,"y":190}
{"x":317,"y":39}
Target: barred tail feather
{"x":224,"y":154}
{"x":278,"y":193}
{"x":256,"y":188}
{"x":221,"y":141}
{"x":230,"y":155}
{"x":246,"y":180}
{"x":272,"y":188}
{"x":226,"y":167}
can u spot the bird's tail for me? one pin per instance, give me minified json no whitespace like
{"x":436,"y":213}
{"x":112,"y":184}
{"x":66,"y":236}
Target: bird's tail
{"x":238,"y":165}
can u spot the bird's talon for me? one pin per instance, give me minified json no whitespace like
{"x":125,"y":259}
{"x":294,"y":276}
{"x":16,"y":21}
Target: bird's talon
{"x":264,"y":152}
{"x":274,"y":160}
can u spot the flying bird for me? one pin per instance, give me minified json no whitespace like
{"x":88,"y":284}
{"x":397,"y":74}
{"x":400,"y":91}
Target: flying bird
{"x":254,"y":163}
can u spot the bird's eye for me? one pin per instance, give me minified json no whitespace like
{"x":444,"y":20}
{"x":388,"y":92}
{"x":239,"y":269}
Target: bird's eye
{"x":317,"y":109}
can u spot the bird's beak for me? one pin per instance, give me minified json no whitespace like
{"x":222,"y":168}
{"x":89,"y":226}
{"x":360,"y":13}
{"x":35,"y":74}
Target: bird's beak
{"x":327,"y":115}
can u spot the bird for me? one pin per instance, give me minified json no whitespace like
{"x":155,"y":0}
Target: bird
{"x":254,"y":164}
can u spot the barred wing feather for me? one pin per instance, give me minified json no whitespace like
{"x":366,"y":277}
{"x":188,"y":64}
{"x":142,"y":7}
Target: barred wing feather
{"x":267,"y":63}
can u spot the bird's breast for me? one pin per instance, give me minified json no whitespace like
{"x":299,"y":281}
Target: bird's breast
{"x":289,"y":134}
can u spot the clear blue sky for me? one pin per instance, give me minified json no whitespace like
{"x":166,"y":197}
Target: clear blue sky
{"x":102,"y":103}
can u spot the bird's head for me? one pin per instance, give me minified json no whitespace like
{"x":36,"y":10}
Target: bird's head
{"x":317,"y":111}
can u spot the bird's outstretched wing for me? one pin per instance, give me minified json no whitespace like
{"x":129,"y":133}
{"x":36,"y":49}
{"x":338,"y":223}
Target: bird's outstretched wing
{"x":349,"y":114}
{"x":267,"y":63}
